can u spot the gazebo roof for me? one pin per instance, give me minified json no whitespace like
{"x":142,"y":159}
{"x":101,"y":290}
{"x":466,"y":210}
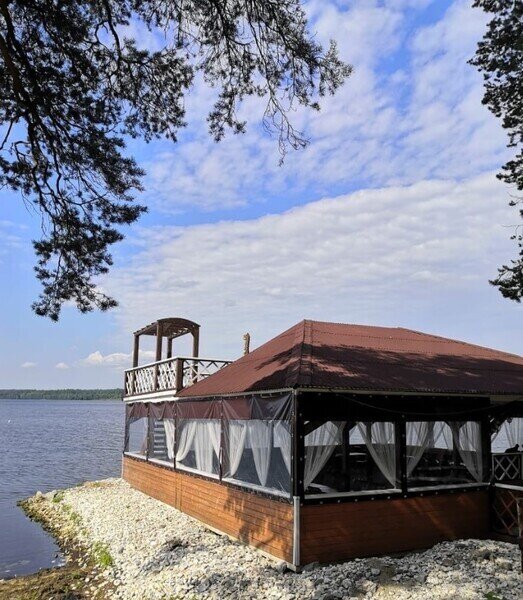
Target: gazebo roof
{"x":172,"y":327}
{"x":315,"y":354}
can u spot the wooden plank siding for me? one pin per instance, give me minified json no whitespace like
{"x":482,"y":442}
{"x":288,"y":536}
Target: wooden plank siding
{"x":260,"y":522}
{"x":333,"y":532}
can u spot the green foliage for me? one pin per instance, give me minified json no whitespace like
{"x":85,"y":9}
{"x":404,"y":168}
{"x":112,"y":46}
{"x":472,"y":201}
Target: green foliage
{"x":499,"y":57}
{"x":492,"y":596}
{"x":71,"y":394}
{"x":58,"y":497}
{"x":102,"y":555}
{"x":72,"y":87}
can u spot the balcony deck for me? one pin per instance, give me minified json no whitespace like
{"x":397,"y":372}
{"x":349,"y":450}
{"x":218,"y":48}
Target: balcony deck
{"x":168,"y":376}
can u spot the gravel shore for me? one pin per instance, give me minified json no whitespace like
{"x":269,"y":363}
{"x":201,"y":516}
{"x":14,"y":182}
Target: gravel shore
{"x":146,"y":550}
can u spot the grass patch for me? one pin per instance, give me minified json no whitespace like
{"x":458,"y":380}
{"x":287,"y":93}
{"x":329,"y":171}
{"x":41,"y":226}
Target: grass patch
{"x":58,"y":497}
{"x":102,"y":555}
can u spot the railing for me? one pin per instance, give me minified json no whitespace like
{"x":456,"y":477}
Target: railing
{"x":507,"y":466}
{"x":171,"y":374}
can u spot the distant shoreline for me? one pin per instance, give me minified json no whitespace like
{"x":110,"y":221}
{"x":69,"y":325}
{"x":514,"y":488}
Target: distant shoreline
{"x":65,"y":394}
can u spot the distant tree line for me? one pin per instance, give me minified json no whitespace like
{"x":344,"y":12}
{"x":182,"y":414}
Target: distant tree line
{"x":72,"y":394}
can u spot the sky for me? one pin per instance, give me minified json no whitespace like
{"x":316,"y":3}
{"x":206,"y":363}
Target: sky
{"x":391,"y":216}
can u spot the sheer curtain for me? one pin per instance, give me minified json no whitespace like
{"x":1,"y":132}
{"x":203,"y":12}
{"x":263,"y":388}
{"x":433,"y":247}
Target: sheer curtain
{"x":419,"y":437}
{"x":380,"y":441}
{"x":168,"y":425}
{"x":260,"y":437}
{"x":187,"y":429}
{"x":236,"y":445}
{"x":468,"y":438}
{"x":319,"y":446}
{"x":282,"y":439}
{"x":206,"y":444}
{"x":514,"y":428}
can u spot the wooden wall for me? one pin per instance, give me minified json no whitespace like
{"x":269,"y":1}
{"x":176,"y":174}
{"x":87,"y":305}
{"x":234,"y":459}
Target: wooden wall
{"x":331,"y":532}
{"x":257,"y":521}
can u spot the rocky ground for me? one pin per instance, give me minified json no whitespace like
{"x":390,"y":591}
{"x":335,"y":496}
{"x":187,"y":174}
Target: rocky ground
{"x":129,"y":546}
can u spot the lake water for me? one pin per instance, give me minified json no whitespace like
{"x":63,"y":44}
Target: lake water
{"x":47,"y":445}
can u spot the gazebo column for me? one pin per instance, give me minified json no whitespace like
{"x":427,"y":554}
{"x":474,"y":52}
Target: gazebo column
{"x":136,"y":354}
{"x":401,"y":454}
{"x":297,"y":474}
{"x":169,"y":347}
{"x":136,"y":349}
{"x":196,"y":342}
{"x":486,"y":449}
{"x":159,"y":333}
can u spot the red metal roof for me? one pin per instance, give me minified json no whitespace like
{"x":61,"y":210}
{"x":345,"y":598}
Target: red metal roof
{"x":359,"y":357}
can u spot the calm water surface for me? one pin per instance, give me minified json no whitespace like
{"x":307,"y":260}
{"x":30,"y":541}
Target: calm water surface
{"x":47,"y":445}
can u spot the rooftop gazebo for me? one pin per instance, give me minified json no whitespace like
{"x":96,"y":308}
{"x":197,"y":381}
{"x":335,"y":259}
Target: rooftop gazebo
{"x":334,"y":441}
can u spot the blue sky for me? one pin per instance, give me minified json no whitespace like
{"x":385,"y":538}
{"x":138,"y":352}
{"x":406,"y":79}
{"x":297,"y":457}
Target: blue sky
{"x":392,"y":216}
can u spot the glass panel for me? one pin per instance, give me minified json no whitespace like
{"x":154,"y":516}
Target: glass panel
{"x":162,"y":439}
{"x":443,"y":453}
{"x":509,"y":437}
{"x":137,"y":443}
{"x":199,"y":445}
{"x":342,"y":456}
{"x":258,"y":453}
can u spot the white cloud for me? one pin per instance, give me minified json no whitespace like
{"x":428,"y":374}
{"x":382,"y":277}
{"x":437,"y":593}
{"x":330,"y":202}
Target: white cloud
{"x":62,"y":366}
{"x":28,"y":365}
{"x":388,"y":125}
{"x":116,"y":359}
{"x":387,"y":256}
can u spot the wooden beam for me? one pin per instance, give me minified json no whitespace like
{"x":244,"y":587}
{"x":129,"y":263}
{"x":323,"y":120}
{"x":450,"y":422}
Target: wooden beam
{"x":195,"y":342}
{"x":136,"y":349}
{"x":170,"y":348}
{"x":158,"y":352}
{"x":159,"y":341}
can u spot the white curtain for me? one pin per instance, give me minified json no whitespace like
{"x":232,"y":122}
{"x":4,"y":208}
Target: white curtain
{"x":319,"y":446}
{"x":468,"y":438}
{"x":282,"y":440}
{"x":168,"y":425}
{"x":512,"y":431}
{"x":419,"y":436}
{"x":381,"y":444}
{"x":260,"y":437}
{"x":206,"y":443}
{"x":187,"y":429}
{"x":237,"y":435}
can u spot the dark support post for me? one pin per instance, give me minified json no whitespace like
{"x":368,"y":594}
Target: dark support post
{"x":149,"y":433}
{"x":179,"y":374}
{"x":136,"y":354}
{"x":401,"y":454}
{"x":195,"y":351}
{"x":298,"y":458}
{"x":136,"y":349}
{"x":170,"y":348}
{"x":486,"y":451}
{"x":298,"y":448}
{"x":158,"y":352}
{"x":520,"y":528}
{"x":196,"y":342}
{"x":175,"y":443}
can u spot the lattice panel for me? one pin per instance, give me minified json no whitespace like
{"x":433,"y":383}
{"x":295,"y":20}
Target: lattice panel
{"x":167,"y":375}
{"x":505,"y":511}
{"x":507,"y":467}
{"x":197,"y":369}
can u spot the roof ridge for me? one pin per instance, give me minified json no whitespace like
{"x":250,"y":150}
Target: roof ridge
{"x":462,"y":342}
{"x":292,"y":376}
